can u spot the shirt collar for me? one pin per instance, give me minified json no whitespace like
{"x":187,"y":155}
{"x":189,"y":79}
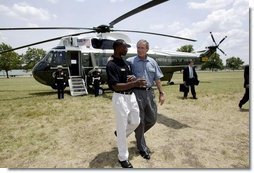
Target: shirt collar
{"x":139,"y":59}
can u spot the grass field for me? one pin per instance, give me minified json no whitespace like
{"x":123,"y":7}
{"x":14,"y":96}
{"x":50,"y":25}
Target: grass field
{"x":39,"y":131}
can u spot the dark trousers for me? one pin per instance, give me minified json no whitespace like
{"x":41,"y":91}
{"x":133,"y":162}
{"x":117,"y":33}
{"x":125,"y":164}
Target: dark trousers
{"x":96,"y":86}
{"x":190,"y":83}
{"x":60,"y":90}
{"x":245,"y":97}
{"x":148,"y":116}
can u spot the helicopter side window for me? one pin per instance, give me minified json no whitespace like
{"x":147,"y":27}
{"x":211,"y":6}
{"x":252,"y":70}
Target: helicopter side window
{"x":101,"y":59}
{"x":96,"y":43}
{"x":86,"y":60}
{"x":103,"y":43}
{"x":61,"y":58}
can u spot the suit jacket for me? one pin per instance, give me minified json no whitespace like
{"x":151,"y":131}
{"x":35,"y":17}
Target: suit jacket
{"x":186,"y":74}
{"x":246,"y":76}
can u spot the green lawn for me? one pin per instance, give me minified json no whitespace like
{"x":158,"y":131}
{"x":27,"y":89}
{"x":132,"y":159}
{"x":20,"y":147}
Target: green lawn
{"x":39,"y":131}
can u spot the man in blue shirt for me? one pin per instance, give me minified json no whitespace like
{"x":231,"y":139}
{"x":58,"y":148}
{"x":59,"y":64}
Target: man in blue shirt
{"x":146,"y":68}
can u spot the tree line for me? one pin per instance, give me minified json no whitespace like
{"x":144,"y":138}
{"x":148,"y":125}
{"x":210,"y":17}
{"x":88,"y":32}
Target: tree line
{"x":12,"y":60}
{"x":215,"y":62}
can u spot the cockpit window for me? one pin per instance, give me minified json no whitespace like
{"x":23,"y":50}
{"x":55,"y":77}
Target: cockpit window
{"x":48,"y":57}
{"x":56,"y":57}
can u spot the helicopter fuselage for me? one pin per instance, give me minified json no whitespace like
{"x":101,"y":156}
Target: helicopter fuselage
{"x":80,"y":57}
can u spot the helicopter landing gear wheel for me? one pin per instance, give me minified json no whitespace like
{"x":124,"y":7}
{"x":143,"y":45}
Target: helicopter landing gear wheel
{"x":101,"y":91}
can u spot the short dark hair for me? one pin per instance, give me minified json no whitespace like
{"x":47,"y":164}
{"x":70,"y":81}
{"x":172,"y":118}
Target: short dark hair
{"x":118,"y":43}
{"x":190,"y":61}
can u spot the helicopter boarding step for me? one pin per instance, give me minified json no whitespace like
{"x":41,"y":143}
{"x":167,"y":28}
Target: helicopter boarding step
{"x":77,"y":86}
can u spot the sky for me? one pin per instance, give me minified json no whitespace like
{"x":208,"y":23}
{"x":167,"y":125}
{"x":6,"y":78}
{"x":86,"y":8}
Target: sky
{"x":193,"y":19}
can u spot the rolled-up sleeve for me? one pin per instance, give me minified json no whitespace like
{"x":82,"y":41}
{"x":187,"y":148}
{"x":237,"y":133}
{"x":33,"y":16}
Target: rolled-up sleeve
{"x":158,"y":73}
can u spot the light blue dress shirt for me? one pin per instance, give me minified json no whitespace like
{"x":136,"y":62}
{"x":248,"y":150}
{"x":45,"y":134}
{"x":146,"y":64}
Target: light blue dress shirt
{"x":145,"y":68}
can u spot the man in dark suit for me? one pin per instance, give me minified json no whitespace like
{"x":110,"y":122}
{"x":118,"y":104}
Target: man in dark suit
{"x":190,"y":78}
{"x":246,"y":86}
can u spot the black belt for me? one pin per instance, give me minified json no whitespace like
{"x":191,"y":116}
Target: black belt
{"x":124,"y":92}
{"x":147,"y":89}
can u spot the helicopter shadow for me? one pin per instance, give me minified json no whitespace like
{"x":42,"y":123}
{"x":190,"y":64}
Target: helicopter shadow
{"x":109,"y":159}
{"x":171,"y":123}
{"x":44,"y":93}
{"x":17,"y":98}
{"x":107,"y":94}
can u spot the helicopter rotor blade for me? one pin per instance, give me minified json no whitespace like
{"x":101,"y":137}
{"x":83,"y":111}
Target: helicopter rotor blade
{"x":45,"y":41}
{"x":213,"y":38}
{"x":153,"y":33}
{"x":222,"y":40}
{"x":44,"y":28}
{"x":222,"y":52}
{"x":136,"y":10}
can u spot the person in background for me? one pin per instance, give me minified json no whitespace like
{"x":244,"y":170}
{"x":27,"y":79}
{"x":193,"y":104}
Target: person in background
{"x":60,"y":78}
{"x":190,"y":79}
{"x":121,"y":81}
{"x":145,"y":67}
{"x":246,"y":86}
{"x":96,"y":81}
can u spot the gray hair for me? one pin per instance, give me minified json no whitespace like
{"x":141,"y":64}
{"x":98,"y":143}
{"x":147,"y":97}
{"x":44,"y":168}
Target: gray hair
{"x":142,"y":41}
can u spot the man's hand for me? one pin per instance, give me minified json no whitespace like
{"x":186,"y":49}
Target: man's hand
{"x":161,"y":98}
{"x":130,"y":78}
{"x":140,"y":83}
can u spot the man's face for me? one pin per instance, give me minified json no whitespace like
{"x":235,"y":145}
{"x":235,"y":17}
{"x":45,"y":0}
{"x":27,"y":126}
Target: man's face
{"x":123,"y":49}
{"x":142,"y":50}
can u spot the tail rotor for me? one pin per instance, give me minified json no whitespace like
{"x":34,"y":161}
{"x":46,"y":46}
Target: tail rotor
{"x":217,"y":45}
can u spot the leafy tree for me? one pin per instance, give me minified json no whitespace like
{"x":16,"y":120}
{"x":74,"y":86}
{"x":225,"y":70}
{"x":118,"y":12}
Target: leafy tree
{"x":214,"y":62}
{"x":234,"y":63}
{"x":186,"y":48}
{"x":8,"y":60}
{"x":32,"y":56}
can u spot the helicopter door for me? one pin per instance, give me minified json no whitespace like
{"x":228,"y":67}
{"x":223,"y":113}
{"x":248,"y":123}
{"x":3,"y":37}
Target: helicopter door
{"x":74,"y":68}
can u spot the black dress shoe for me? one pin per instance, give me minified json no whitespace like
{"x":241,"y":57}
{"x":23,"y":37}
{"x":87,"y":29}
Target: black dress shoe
{"x":125,"y":164}
{"x":240,"y":105}
{"x":148,"y":150}
{"x":145,"y":155}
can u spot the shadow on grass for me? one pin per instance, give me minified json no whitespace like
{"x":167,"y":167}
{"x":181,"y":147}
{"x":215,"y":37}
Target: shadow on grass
{"x":31,"y":95}
{"x":44,"y":93}
{"x":107,"y":95}
{"x":244,"y":110}
{"x":188,"y":98}
{"x":171,"y":123}
{"x":16,"y":98}
{"x":109,"y":159}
